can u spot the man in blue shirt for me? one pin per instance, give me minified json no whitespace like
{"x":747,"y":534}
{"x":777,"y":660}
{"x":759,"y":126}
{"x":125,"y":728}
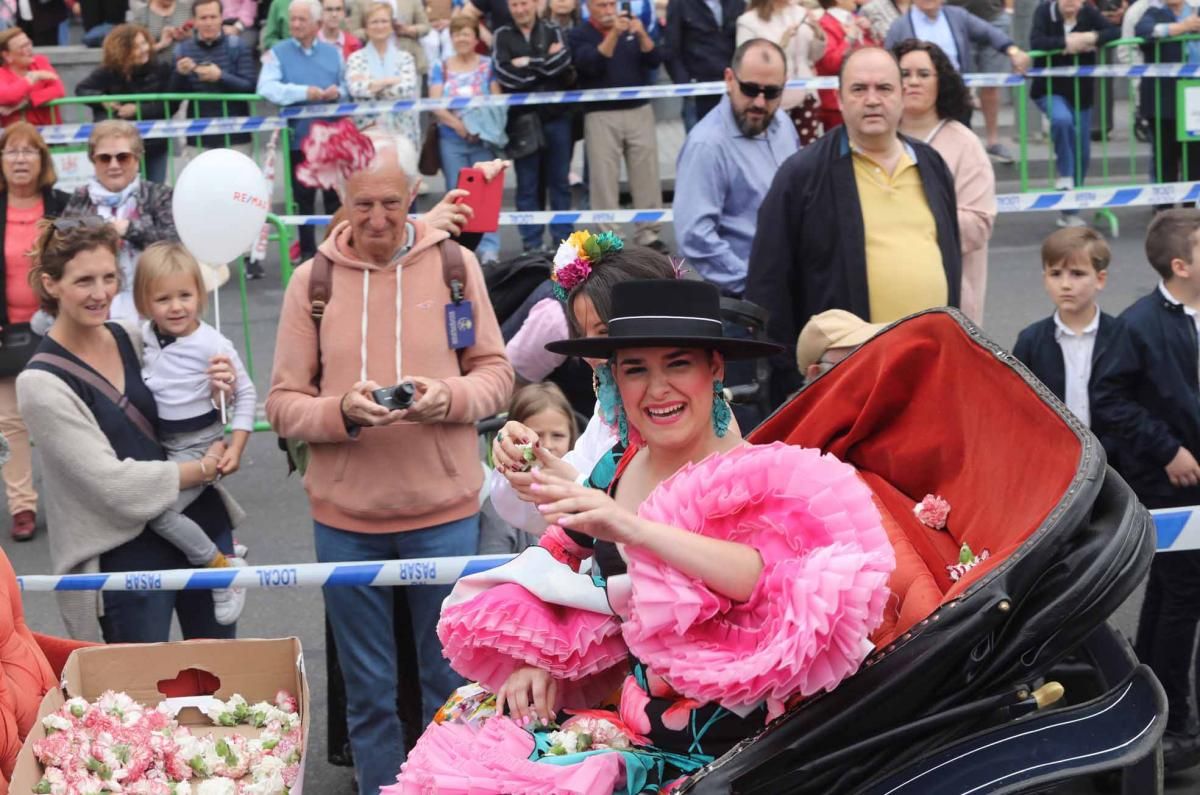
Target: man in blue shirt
{"x":727,"y":164}
{"x":723,"y":172}
{"x":301,"y":70}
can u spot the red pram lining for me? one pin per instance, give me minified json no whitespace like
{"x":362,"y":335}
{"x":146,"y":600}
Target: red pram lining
{"x":925,"y":409}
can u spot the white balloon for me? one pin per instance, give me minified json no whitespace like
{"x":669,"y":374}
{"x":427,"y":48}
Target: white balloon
{"x":220,"y":203}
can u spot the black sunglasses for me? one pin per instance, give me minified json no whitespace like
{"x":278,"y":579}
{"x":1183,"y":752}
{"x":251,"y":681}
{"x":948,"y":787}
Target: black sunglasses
{"x":752,"y":90}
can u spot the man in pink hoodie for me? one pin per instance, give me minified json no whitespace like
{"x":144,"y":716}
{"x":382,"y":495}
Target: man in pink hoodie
{"x":387,"y":484}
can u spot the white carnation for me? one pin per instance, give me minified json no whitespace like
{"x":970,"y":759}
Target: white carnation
{"x":217,"y":786}
{"x":565,"y":255}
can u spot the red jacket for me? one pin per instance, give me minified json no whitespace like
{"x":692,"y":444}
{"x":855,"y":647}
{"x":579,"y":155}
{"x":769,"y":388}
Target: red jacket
{"x":26,"y":101}
{"x":836,"y":48}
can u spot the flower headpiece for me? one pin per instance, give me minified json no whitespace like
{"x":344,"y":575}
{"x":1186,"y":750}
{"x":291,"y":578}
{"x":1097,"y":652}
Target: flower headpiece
{"x":333,"y":150}
{"x":577,"y":255}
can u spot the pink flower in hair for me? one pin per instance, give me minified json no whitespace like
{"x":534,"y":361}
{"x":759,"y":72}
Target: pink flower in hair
{"x":333,"y":150}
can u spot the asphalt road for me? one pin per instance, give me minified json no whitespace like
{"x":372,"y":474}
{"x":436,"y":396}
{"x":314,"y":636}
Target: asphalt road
{"x":279,"y":529}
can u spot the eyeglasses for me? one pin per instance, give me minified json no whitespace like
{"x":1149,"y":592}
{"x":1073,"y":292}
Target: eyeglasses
{"x":21,"y":154}
{"x":122,"y":158}
{"x":752,"y":90}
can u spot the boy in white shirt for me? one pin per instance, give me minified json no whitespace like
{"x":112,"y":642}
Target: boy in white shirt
{"x":1063,"y":349}
{"x":178,"y":349}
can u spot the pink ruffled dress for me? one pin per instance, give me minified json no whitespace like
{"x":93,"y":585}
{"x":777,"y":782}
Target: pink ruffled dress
{"x":700,"y":670}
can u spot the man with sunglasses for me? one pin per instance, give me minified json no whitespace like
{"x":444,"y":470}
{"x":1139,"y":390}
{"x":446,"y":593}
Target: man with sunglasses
{"x":723,"y":172}
{"x":863,"y":219}
{"x":727,"y":163}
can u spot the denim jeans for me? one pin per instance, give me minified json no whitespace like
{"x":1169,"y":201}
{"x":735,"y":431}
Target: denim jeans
{"x":362,"y":616}
{"x":306,"y":204}
{"x":1067,"y":128}
{"x":458,"y":153}
{"x":145,"y":616}
{"x":551,"y":166}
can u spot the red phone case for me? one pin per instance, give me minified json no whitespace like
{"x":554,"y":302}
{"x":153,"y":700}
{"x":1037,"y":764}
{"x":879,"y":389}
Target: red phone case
{"x":484,"y":198}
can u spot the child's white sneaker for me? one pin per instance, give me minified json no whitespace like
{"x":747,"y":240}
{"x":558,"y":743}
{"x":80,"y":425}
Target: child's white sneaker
{"x":228,"y":603}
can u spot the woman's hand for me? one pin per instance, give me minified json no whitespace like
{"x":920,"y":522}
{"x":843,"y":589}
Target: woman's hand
{"x":506,"y":455}
{"x":222,"y":376}
{"x":127,"y":111}
{"x":522,"y":482}
{"x":530,"y":694}
{"x":491,"y":168}
{"x":448,"y":214}
{"x":589,"y":511}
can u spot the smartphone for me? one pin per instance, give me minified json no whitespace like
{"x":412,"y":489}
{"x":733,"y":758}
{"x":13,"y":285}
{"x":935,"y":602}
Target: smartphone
{"x":627,"y":8}
{"x":484,"y":198}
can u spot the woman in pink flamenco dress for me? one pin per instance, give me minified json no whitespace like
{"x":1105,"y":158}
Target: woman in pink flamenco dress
{"x":727,"y":581}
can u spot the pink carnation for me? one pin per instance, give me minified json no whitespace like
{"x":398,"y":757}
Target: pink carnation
{"x":285,"y":701}
{"x":333,"y":150}
{"x":572,"y":274}
{"x":932,"y":511}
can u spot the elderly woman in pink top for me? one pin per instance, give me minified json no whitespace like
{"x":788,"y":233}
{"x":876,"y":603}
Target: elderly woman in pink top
{"x":934,"y":96}
{"x":27,"y":196}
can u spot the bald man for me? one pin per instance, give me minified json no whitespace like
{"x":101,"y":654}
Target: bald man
{"x":864,"y":219}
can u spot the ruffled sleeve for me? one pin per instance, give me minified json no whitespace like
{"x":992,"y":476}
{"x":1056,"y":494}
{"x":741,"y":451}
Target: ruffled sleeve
{"x":826,"y":561}
{"x":534,"y":610}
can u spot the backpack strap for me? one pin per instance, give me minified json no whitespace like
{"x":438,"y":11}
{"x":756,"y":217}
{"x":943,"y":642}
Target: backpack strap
{"x":454,"y":270}
{"x":320,"y":287}
{"x":100,"y":385}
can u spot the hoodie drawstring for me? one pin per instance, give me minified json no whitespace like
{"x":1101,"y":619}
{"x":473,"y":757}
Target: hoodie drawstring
{"x":362,"y":353}
{"x":399,"y":341}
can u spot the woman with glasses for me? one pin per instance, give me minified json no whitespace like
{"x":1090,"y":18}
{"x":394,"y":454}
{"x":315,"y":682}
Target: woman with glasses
{"x":27,"y":196}
{"x":138,"y":209}
{"x":934,"y":98}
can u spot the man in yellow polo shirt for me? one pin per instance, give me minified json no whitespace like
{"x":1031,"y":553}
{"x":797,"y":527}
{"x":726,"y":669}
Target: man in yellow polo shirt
{"x":863,"y":219}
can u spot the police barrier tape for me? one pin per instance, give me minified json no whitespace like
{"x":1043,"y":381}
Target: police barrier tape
{"x":415,"y":571}
{"x":1178,"y":530}
{"x":1083,"y":199}
{"x":78,"y":133}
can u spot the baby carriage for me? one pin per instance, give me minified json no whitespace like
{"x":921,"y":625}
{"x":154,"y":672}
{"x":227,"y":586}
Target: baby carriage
{"x":949,"y":701}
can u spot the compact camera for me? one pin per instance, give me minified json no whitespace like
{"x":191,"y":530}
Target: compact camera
{"x":395,"y":397}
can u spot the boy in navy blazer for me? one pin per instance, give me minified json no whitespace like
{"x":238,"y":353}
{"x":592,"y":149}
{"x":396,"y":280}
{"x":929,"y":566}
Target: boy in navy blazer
{"x":1065,"y":349}
{"x":1149,"y":398}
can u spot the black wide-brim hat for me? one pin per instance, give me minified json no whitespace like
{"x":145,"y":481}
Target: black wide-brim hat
{"x":662,"y":313}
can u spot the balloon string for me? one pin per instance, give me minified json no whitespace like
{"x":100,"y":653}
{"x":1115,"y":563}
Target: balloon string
{"x":217,"y":310}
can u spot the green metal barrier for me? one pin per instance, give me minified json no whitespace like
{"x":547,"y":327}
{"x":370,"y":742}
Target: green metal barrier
{"x":78,"y":110}
{"x":1112,"y":164}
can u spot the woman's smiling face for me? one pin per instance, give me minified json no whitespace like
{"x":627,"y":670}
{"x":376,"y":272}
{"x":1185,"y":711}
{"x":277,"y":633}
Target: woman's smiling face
{"x":668,"y":392}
